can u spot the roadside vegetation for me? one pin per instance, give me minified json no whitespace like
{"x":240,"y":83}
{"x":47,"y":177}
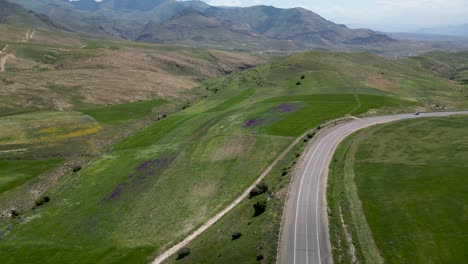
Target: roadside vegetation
{"x":242,"y":237}
{"x":400,"y":189}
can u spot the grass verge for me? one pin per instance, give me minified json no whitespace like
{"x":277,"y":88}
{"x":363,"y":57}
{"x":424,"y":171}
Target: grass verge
{"x":410,"y":178}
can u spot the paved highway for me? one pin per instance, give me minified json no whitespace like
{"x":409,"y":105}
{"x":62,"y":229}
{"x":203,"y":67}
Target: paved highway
{"x":304,"y":235}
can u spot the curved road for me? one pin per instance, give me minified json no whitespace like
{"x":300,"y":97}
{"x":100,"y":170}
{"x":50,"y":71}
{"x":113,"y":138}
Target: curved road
{"x":304,"y":234}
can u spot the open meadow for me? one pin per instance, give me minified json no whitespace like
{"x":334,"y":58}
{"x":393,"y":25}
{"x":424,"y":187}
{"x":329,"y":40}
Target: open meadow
{"x":131,"y":167}
{"x":401,"y":190}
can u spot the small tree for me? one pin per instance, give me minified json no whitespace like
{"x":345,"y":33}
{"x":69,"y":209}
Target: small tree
{"x":259,"y":207}
{"x":14,"y":213}
{"x":263,"y":187}
{"x":259,"y":189}
{"x":182,"y":253}
{"x":236,"y":236}
{"x":42,"y":200}
{"x":259,"y":257}
{"x":298,"y":83}
{"x":302,"y":77}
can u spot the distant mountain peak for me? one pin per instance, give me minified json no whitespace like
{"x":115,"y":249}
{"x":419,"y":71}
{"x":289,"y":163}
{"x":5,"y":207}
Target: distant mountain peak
{"x":185,"y":22}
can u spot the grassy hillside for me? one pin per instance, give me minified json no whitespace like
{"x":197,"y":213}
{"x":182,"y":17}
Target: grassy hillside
{"x":55,"y":71}
{"x":453,"y":66}
{"x":259,"y":234}
{"x":175,"y":170}
{"x":410,"y":178}
{"x":14,"y":14}
{"x":180,"y":166}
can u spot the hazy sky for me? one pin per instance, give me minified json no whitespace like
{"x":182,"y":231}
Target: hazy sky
{"x":389,"y":15}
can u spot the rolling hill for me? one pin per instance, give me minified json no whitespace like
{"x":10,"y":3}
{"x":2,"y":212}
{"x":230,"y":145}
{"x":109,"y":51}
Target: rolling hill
{"x":14,"y":14}
{"x":192,"y":27}
{"x":184,"y":22}
{"x":296,"y":24}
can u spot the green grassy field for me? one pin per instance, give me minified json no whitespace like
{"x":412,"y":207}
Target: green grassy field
{"x":44,"y":127}
{"x":124,"y":112}
{"x":13,"y":173}
{"x":411,"y":180}
{"x":258,"y":234}
{"x":165,"y":179}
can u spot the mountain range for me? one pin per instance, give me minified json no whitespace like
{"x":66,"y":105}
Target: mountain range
{"x":199,"y":24}
{"x":453,"y":30}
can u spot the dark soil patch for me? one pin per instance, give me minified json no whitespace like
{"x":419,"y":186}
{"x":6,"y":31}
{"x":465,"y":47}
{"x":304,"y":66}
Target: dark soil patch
{"x":261,"y":121}
{"x":136,"y":181}
{"x":287,"y":108}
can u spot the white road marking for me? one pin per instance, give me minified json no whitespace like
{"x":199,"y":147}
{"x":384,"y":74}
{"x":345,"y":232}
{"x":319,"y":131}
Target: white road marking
{"x":300,"y":190}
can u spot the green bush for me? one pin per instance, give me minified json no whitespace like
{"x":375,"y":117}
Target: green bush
{"x":259,"y":207}
{"x":182,"y":253}
{"x":259,"y":189}
{"x":236,"y":236}
{"x":42,"y":200}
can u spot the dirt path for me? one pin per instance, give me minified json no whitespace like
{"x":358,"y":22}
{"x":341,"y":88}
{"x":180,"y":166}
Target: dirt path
{"x":4,"y":57}
{"x":4,"y":50}
{"x":29,"y":35}
{"x":12,"y":151}
{"x":3,"y":61}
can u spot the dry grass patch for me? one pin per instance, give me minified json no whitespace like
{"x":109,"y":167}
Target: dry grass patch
{"x":382,"y":83}
{"x":233,"y":148}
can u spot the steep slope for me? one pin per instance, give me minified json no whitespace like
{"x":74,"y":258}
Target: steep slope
{"x":16,"y":15}
{"x":453,"y":66}
{"x":84,"y":22}
{"x":297,"y":24}
{"x":192,"y":27}
{"x":258,"y":27}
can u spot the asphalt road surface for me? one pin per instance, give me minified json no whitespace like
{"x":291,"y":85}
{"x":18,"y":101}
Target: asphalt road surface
{"x":304,"y":235}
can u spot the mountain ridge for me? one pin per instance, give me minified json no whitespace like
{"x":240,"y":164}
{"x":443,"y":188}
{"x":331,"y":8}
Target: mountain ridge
{"x":199,"y":24}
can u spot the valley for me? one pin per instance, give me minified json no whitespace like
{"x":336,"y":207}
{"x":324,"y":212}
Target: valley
{"x":127,"y":125}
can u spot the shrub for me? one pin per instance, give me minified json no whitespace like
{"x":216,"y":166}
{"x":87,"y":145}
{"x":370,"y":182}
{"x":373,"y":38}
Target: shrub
{"x":187,"y":105}
{"x":298,"y":83}
{"x":302,"y":77}
{"x":259,"y":189}
{"x":42,"y":200}
{"x":236,"y":236}
{"x":259,"y":207}
{"x":76,"y":168}
{"x":14,"y":213}
{"x":182,"y":253}
{"x":310,"y":135}
{"x":259,"y":257}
